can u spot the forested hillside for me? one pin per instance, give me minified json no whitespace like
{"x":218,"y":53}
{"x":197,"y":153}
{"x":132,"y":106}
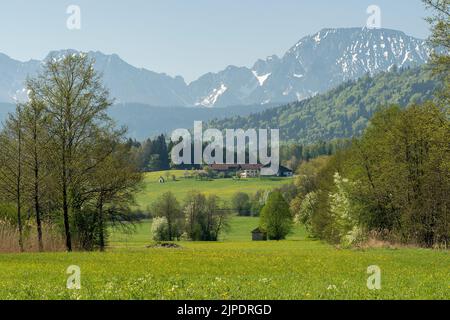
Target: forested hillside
{"x":343,"y":112}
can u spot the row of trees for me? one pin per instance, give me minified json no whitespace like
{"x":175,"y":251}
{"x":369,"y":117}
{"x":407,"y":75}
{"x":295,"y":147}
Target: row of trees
{"x":200,"y":218}
{"x":151,"y":155}
{"x":203,"y":218}
{"x":393,"y":183}
{"x":251,"y":205}
{"x":62,"y":160}
{"x":293,"y":154}
{"x":154,"y":154}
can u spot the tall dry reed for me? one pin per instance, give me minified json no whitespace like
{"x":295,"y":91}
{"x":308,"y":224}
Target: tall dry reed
{"x":9,"y":238}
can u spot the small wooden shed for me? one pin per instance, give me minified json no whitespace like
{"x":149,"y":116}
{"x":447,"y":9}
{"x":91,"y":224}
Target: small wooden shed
{"x":259,"y":235}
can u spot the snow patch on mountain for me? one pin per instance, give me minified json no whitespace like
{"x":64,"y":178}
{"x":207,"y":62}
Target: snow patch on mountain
{"x":261,"y":79}
{"x":211,"y":100}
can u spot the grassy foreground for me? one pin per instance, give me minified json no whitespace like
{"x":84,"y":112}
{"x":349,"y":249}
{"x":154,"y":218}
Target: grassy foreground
{"x":297,"y":268}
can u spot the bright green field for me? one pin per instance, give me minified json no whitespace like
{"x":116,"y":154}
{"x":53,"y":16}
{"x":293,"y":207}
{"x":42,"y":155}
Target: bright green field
{"x":297,"y":268}
{"x":223,"y":188}
{"x":239,"y":231}
{"x":234,"y":268}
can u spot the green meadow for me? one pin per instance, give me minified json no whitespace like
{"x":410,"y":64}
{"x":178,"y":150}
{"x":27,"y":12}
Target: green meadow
{"x":224,"y":188}
{"x":233,"y":268}
{"x":239,"y":230}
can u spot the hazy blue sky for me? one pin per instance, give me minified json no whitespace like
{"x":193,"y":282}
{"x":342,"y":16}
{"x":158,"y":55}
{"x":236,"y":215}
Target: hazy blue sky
{"x":188,"y":37}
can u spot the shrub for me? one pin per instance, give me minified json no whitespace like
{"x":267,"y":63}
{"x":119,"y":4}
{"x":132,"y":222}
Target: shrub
{"x":343,"y":211}
{"x":258,"y":201}
{"x":160,"y":229}
{"x":241,"y":203}
{"x":303,"y":210}
{"x":168,"y":207}
{"x":276,"y":218}
{"x":205,"y":220}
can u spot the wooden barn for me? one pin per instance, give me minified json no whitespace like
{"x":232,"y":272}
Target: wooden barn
{"x":259,"y":235}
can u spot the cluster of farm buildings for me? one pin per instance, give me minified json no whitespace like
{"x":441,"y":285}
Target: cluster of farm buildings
{"x":248,"y":170}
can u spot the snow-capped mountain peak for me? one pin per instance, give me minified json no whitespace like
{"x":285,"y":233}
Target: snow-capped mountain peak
{"x":316,"y":63}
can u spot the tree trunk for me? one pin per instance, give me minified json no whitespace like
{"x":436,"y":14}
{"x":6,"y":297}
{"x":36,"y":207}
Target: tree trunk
{"x":101,"y":224}
{"x":19,"y":184}
{"x":19,"y":222}
{"x":66,"y":206}
{"x":38,"y":217}
{"x":37,"y":208}
{"x":169,"y":220}
{"x":66,"y":224}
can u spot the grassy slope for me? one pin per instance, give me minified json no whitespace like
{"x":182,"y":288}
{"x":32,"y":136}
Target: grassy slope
{"x":224,"y":188}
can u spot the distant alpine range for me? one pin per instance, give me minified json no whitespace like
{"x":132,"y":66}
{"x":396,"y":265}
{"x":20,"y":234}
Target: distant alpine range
{"x":314,"y":65}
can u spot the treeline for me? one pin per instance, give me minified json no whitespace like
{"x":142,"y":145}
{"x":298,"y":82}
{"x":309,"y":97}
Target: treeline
{"x":155,"y":154}
{"x":205,"y":217}
{"x":63,"y":164}
{"x":393,"y":184}
{"x":293,"y":154}
{"x":252,"y":204}
{"x":152,"y":154}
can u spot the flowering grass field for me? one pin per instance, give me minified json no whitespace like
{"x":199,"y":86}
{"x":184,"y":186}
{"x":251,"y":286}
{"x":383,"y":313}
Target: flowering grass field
{"x":298,"y":268}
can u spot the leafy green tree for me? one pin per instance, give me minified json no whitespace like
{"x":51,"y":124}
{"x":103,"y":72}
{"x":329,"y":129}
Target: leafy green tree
{"x":168,"y":208}
{"x":160,"y":229}
{"x":216,"y":219}
{"x":401,"y":165}
{"x":241,"y":203}
{"x":12,"y":180}
{"x":307,"y":175}
{"x":258,"y":201}
{"x":275,"y":217}
{"x":316,"y":182}
{"x":153,"y":155}
{"x":204,"y":217}
{"x":76,"y":102}
{"x":440,"y":27}
{"x":304,"y":209}
{"x":344,"y":211}
{"x":111,"y":187}
{"x":194,"y":211}
{"x":35,"y":158}
{"x":440,"y":40}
